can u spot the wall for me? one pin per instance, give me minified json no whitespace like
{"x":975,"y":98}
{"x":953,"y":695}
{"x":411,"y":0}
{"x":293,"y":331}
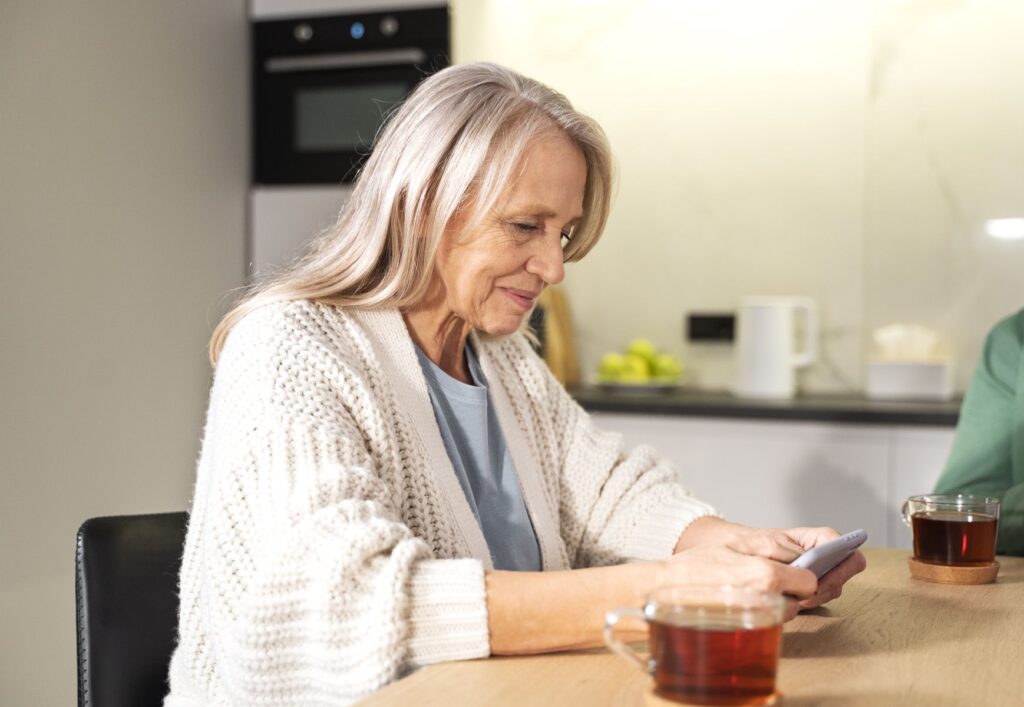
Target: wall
{"x":123,"y":140}
{"x":945,"y":152}
{"x":845,"y":151}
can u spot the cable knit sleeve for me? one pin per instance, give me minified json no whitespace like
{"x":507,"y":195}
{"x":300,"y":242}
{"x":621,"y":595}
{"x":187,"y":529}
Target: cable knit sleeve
{"x":300,"y":583}
{"x":614,"y":505}
{"x":630,"y":505}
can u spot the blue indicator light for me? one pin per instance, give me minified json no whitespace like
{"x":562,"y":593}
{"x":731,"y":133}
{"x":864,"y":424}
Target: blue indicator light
{"x":357,"y":30}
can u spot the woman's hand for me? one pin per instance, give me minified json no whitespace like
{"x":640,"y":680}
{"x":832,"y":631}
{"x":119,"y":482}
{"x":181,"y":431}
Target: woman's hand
{"x":831,"y":585}
{"x":715,"y":531}
{"x":781,"y":544}
{"x":786,"y":541}
{"x":755,"y":562}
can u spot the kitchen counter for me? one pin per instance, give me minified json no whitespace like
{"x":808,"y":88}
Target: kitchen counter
{"x":812,"y":408}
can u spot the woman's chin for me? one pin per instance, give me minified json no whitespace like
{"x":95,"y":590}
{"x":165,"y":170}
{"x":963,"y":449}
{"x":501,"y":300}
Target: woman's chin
{"x":502,"y":326}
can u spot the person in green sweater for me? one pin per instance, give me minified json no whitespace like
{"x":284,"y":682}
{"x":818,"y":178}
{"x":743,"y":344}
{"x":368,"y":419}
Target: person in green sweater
{"x":988,"y":451}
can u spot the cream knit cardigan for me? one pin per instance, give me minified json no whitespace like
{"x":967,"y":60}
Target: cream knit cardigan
{"x":330,"y":546}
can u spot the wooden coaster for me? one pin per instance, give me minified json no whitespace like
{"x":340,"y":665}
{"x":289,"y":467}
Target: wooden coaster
{"x":652,"y":699}
{"x":948,"y":574}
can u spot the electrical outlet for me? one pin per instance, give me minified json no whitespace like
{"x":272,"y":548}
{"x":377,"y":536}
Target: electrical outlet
{"x":710,"y":327}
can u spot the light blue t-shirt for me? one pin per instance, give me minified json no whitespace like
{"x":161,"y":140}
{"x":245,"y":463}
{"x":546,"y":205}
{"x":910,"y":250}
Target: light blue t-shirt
{"x":476,"y":447}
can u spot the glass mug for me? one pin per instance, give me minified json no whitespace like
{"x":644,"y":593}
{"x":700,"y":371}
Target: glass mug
{"x":710,"y":644}
{"x":953,"y":529}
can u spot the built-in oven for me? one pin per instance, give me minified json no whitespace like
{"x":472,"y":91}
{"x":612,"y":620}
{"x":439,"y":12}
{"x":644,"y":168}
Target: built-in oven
{"x":323,"y":86}
{"x":325,"y":75}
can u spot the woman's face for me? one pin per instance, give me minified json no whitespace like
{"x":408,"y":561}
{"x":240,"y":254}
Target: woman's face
{"x":493,"y":273}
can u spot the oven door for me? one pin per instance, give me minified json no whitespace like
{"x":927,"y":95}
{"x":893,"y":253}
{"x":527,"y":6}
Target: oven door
{"x":322,"y":88}
{"x":316,"y":125}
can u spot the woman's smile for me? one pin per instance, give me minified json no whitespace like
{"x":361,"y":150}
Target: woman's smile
{"x":521,"y":298}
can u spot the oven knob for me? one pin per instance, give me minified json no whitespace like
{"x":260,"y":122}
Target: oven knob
{"x":389,"y":26}
{"x":303,"y":32}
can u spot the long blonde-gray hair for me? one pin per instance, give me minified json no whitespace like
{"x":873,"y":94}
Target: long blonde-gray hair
{"x":460,"y":133}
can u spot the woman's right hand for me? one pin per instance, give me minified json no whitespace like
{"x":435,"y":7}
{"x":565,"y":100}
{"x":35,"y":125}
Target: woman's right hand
{"x":754,"y":561}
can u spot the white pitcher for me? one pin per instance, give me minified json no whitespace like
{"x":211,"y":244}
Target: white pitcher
{"x":766,"y":359}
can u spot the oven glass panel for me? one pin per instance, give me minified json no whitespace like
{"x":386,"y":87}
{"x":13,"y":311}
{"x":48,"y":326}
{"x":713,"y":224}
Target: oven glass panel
{"x":343,"y":117}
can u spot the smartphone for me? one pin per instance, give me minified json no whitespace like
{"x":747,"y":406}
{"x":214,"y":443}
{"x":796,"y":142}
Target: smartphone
{"x":824,"y":557}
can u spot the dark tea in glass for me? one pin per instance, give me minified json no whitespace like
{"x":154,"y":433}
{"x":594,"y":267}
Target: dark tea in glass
{"x":715,"y":666}
{"x":957,"y":530}
{"x":710,"y":645}
{"x":952,"y":538}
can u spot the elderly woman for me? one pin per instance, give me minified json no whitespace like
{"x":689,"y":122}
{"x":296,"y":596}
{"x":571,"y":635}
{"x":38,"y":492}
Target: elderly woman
{"x":390,"y":476}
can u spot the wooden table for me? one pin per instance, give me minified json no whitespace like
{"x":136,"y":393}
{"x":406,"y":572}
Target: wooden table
{"x":889,"y":640}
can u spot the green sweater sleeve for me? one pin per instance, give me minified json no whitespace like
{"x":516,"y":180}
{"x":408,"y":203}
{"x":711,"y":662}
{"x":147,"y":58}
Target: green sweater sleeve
{"x":988,"y":451}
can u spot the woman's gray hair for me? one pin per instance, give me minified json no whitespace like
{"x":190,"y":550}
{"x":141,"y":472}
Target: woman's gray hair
{"x":454,"y":142}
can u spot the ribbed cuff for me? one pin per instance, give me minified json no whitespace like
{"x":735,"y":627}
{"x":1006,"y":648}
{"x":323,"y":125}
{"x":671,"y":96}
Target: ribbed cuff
{"x":656,"y":534}
{"x":448,"y":612}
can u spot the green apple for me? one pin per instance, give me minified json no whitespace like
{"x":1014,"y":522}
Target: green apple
{"x":611,"y":367}
{"x":642,"y":348}
{"x":636,"y":369}
{"x":667,"y":368}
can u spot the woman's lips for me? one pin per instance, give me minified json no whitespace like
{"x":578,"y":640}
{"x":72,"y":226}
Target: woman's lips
{"x":521,"y":297}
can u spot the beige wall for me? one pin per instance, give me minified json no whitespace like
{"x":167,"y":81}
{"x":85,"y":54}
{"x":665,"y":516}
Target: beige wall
{"x":847,"y":151}
{"x":123,"y":153}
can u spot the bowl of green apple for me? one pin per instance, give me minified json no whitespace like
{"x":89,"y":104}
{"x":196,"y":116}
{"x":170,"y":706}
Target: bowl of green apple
{"x":641,"y":368}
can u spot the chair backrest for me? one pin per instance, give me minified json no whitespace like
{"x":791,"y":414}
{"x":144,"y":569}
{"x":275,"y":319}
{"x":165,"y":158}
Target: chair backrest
{"x":126,"y":591}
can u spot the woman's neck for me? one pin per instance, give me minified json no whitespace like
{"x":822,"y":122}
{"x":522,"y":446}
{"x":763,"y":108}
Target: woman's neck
{"x":440,"y":334}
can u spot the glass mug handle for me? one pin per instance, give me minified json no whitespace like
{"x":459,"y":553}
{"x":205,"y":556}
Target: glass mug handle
{"x":617,"y":646}
{"x":905,"y":514}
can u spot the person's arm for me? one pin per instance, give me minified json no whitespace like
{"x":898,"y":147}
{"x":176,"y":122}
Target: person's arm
{"x":615,"y":505}
{"x":991,"y":424}
{"x":536,"y":612}
{"x":300,"y":581}
{"x":620,"y":505}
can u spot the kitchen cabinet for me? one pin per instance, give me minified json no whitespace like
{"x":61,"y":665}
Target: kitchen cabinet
{"x":786,"y":473}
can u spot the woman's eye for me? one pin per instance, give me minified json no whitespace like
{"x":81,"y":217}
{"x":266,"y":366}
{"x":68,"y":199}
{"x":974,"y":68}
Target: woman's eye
{"x":526,"y":227}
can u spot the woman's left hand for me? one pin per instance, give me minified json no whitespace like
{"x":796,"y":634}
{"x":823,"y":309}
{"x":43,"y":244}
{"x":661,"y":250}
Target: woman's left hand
{"x":780,"y":544}
{"x":831,"y":585}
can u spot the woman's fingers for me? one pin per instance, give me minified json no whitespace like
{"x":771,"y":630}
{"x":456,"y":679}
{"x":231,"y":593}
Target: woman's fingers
{"x":831,"y":585}
{"x":727,"y":565}
{"x":797,"y":582}
{"x":760,"y":559}
{"x":772,"y":544}
{"x":771,"y":576}
{"x":838,"y":575}
{"x":812,"y":537}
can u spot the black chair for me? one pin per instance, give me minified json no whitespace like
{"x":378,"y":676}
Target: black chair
{"x":126,"y":591}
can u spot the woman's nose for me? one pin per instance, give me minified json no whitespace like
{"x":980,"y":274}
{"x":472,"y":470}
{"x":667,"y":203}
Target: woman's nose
{"x":547,"y":262}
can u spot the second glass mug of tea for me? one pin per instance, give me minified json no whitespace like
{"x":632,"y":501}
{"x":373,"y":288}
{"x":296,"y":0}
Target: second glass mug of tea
{"x":709,"y":644}
{"x":953,"y":529}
